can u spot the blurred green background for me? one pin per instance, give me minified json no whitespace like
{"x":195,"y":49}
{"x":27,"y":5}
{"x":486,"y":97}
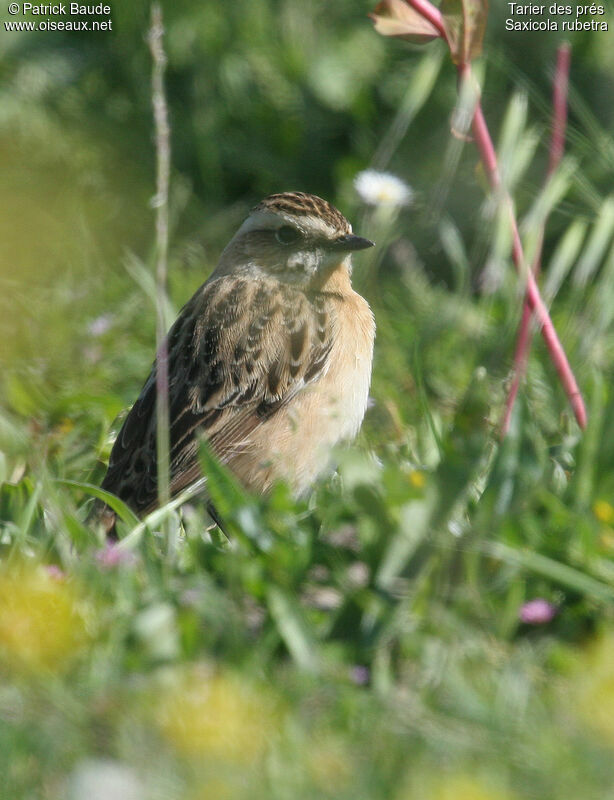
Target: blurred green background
{"x":368,"y":643}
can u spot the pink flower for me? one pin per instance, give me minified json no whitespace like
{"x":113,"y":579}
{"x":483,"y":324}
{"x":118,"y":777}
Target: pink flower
{"x":537,"y":611}
{"x":360,"y":675}
{"x":111,"y":555}
{"x":54,"y":572}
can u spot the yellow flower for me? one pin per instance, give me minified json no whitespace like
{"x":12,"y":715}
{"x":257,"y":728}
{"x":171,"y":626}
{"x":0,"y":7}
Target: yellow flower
{"x":42,"y":625}
{"x":329,"y":764}
{"x":65,"y":426}
{"x":221,"y":788}
{"x":603,"y":511}
{"x":594,"y":686}
{"x":459,"y":787}
{"x":218,"y":716}
{"x":606,"y":538}
{"x":417,"y":479}
{"x":464,"y":787}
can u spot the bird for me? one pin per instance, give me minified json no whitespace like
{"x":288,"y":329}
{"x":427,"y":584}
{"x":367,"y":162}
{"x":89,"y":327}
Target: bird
{"x":270,"y":361}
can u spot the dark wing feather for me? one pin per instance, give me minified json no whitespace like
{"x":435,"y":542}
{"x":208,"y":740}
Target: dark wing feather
{"x":238,"y":352}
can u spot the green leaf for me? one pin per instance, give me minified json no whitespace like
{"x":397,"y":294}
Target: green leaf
{"x":225,"y":491}
{"x":120,"y":508}
{"x":293,"y":628}
{"x":597,"y":244}
{"x":28,"y":515}
{"x":415,"y":517}
{"x":553,"y":570}
{"x":159,"y":515}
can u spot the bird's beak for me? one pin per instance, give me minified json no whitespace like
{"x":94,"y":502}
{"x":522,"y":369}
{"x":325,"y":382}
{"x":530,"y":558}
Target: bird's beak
{"x":349,"y":242}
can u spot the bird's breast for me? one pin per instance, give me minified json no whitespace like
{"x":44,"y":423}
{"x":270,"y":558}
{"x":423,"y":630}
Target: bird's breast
{"x":343,"y":391}
{"x":295,"y":444}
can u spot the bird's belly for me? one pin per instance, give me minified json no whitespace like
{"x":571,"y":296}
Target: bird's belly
{"x":295,"y":444}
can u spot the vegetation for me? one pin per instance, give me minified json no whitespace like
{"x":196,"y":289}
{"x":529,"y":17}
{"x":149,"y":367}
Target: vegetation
{"x":436,"y":621}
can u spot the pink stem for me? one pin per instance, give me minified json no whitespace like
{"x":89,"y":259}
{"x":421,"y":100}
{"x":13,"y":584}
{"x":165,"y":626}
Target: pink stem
{"x":521,"y":352}
{"x":533,"y":297}
{"x":559,"y":104}
{"x":557,"y":144}
{"x":523,"y":343}
{"x":534,"y":300}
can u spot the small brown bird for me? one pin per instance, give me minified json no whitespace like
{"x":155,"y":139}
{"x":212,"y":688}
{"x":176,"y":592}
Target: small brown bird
{"x":270,"y":360}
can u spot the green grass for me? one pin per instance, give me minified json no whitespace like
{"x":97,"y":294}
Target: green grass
{"x":365,"y":642}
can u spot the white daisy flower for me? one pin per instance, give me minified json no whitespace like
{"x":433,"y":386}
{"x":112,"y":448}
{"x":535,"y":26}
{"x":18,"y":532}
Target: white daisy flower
{"x":104,"y":779}
{"x":382,"y":189}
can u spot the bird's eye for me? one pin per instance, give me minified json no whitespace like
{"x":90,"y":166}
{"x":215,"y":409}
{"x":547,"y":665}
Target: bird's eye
{"x":287,"y":234}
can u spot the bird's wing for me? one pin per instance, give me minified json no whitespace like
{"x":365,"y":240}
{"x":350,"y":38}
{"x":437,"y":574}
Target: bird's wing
{"x":239,"y":351}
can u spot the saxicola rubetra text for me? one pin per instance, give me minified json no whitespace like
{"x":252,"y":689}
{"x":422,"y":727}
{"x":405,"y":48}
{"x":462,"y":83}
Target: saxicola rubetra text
{"x":270,"y":360}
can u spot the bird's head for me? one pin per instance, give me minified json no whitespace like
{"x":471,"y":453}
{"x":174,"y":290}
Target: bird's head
{"x":298,"y":238}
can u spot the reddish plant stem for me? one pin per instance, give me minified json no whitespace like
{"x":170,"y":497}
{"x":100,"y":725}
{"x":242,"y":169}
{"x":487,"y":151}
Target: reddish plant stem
{"x":521,"y":357}
{"x":557,"y":145}
{"x":533,"y":298}
{"x":559,"y":106}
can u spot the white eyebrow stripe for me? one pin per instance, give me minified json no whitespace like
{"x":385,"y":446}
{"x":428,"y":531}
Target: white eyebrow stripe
{"x":269,"y":220}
